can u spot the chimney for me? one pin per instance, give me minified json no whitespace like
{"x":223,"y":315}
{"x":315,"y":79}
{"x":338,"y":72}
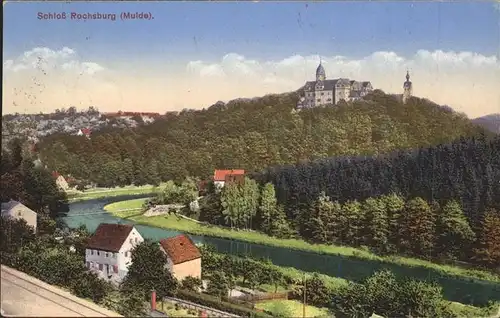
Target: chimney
{"x":153,"y":300}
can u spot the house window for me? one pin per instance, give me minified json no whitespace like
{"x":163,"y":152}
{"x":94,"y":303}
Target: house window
{"x":135,"y":239}
{"x":126,"y":254}
{"x":98,"y":253}
{"x":322,"y":94}
{"x":131,"y":242}
{"x":114,"y":255}
{"x":318,"y":99}
{"x":329,"y":99}
{"x":101,"y":267}
{"x":91,"y":252}
{"x":115,"y":268}
{"x":88,"y":264}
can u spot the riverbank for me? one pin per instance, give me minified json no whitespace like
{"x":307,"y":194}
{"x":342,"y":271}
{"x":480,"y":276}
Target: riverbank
{"x":181,"y":224}
{"x":75,"y":196}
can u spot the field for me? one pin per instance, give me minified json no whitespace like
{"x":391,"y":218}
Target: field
{"x":125,"y":209}
{"x":291,"y":308}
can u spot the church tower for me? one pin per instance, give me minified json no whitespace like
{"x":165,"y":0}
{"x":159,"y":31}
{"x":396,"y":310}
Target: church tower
{"x":320,"y":73}
{"x":408,"y":89}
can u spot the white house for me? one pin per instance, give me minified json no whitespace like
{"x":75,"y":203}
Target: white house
{"x":183,"y":256}
{"x":109,"y":249}
{"x":16,"y":210}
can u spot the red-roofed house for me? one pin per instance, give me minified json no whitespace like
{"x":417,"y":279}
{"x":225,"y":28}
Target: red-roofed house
{"x":84,"y":132}
{"x":183,"y":257}
{"x":221,"y":177}
{"x":108,"y":251}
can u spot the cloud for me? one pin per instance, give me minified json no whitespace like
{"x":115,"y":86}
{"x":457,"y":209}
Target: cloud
{"x":466,"y":81}
{"x":46,"y":60}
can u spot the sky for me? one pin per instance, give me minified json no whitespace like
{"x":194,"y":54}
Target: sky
{"x":193,"y":54}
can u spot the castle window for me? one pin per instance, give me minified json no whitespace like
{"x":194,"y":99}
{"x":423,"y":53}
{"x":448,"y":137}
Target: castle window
{"x":318,"y":100}
{"x":322,"y":94}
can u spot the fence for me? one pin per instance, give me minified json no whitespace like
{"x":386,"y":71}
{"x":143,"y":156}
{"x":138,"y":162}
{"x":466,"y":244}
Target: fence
{"x":261,"y":297}
{"x":190,"y":305}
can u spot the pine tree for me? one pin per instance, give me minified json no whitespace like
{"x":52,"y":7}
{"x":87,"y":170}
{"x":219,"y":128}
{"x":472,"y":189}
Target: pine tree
{"x":352,"y":222}
{"x":376,"y":224}
{"x":454,"y":233}
{"x":488,"y":251}
{"x":267,"y":207}
{"x":394,"y":205}
{"x":417,"y":228}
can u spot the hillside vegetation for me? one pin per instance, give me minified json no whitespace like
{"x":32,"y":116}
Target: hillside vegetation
{"x":251,"y":134}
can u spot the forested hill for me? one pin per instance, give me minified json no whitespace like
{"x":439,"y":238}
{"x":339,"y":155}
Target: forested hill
{"x":467,"y":170}
{"x":252,"y":134}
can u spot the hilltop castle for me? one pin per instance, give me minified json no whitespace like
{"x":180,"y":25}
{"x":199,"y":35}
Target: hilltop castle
{"x":330,"y":92}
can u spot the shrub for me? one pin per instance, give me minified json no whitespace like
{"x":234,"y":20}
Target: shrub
{"x":88,"y":285}
{"x":214,"y":302}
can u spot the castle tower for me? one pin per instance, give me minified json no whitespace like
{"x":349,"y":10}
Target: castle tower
{"x":408,"y":89}
{"x":320,"y":72}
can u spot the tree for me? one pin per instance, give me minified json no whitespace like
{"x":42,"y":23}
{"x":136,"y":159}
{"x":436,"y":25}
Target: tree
{"x":89,"y":285}
{"x":148,"y":271}
{"x":382,"y":294}
{"x":231,"y":204}
{"x":192,"y":283}
{"x":317,"y":293}
{"x":267,"y":207}
{"x":352,"y":222}
{"x":280,"y":227}
{"x":377,"y":224}
{"x":14,"y":234}
{"x":417,"y":228}
{"x":218,"y":285}
{"x":488,"y":250}
{"x":320,"y":222}
{"x":421,"y":299}
{"x":453,"y":231}
{"x":127,"y":303}
{"x":276,"y":277}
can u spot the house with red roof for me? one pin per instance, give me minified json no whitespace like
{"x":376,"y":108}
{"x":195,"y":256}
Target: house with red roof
{"x":183,"y":256}
{"x":109,"y":250}
{"x":84,"y":132}
{"x":222,"y":177}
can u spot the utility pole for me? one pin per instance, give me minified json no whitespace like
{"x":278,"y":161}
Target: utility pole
{"x":305,"y":299}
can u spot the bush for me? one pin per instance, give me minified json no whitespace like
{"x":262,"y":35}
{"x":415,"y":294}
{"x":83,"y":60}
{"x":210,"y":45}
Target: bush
{"x":88,"y":285}
{"x":214,"y":302}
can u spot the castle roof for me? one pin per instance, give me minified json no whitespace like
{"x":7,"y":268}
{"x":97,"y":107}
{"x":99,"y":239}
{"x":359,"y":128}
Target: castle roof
{"x":320,"y":71}
{"x":328,"y":85}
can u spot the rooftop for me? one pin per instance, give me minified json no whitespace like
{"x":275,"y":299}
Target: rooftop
{"x":180,"y":249}
{"x":109,"y":237}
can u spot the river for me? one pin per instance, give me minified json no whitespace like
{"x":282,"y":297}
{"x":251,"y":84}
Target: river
{"x":91,"y":214}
